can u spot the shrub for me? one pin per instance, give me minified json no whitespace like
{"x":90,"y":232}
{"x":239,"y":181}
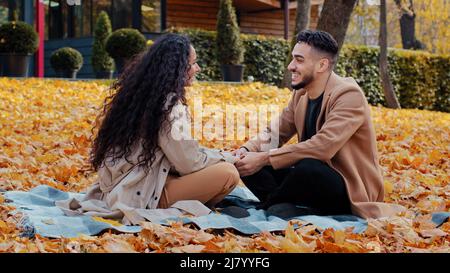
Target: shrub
{"x":125,"y":43}
{"x":361,"y":63}
{"x":18,"y":37}
{"x":101,"y":61}
{"x":265,"y":58}
{"x":229,"y":45}
{"x":420,"y":79}
{"x":66,"y":58}
{"x":441,"y":64}
{"x":204,"y":43}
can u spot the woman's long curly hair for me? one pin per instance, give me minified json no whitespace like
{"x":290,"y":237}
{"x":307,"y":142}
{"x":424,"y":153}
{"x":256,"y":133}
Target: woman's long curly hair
{"x":136,"y":111}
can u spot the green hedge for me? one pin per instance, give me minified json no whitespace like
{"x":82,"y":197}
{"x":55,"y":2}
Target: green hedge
{"x":443,"y":93}
{"x":263,"y":58}
{"x":204,"y":43}
{"x":421,"y":80}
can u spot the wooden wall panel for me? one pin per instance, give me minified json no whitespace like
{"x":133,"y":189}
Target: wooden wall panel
{"x":190,"y":13}
{"x":203,"y":13}
{"x":272,"y":22}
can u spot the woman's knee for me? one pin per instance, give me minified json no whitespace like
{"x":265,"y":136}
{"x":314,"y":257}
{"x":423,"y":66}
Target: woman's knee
{"x":229,"y":172}
{"x":229,"y":169}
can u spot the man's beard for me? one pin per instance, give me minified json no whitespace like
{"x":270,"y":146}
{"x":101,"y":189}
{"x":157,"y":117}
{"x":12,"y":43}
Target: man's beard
{"x":307,"y":80}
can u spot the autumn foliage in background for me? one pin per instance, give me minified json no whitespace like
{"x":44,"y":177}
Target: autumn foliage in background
{"x":431,"y":24}
{"x":45,"y":127}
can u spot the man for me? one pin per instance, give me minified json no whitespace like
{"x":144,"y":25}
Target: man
{"x":333,"y":169}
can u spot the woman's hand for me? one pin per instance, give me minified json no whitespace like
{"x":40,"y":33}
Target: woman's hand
{"x":239,"y":153}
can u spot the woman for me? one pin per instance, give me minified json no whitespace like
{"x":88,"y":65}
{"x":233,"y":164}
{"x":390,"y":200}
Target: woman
{"x":144,"y":158}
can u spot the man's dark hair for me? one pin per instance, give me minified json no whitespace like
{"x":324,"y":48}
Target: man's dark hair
{"x":321,"y":41}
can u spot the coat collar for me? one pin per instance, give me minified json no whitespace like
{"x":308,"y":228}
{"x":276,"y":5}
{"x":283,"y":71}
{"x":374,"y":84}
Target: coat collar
{"x":331,"y":86}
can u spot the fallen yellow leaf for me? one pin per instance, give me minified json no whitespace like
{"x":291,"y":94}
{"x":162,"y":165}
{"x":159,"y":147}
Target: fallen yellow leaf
{"x":108,"y":221}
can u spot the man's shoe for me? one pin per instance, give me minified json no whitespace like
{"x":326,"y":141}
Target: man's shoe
{"x":224,"y":203}
{"x":288,"y":211}
{"x":235,"y":211}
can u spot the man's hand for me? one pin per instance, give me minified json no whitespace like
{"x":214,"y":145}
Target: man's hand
{"x":252,"y":163}
{"x":239,"y":153}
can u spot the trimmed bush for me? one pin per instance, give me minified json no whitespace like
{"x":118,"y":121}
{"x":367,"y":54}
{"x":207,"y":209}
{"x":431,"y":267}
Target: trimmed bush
{"x":229,"y":45}
{"x":204,"y":43}
{"x":66,"y":58}
{"x":265,"y":58}
{"x":442,"y":64}
{"x":361,"y":63}
{"x":18,"y":37}
{"x":421,"y":80}
{"x":101,"y":61}
{"x":418,"y":79}
{"x":125,"y":43}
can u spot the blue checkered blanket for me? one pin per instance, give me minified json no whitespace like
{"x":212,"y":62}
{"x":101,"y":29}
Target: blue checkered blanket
{"x":42,"y":217}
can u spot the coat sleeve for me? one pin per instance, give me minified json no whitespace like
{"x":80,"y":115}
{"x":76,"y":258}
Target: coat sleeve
{"x":346,"y":115}
{"x":281,"y":129}
{"x":185,"y":153}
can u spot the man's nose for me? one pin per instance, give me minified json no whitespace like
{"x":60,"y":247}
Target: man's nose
{"x":291,"y":66}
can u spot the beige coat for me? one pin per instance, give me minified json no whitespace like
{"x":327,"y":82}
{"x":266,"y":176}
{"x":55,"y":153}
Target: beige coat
{"x":124,"y":191}
{"x":345,"y":140}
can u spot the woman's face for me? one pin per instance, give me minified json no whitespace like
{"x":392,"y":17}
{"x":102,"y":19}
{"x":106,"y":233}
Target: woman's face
{"x":193,"y":67}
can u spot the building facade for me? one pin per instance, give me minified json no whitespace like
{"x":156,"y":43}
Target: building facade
{"x":71,"y":22}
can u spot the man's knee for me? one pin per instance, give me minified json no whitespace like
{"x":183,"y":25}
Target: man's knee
{"x":308,"y":166}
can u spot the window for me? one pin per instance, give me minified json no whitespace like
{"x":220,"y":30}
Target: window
{"x":11,"y":10}
{"x":73,"y":21}
{"x":99,"y":6}
{"x":67,"y":21}
{"x":151,"y":16}
{"x":81,"y":18}
{"x":122,"y":11}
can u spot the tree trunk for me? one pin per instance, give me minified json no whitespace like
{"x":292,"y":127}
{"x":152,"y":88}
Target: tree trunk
{"x":388,"y":89}
{"x":301,"y":23}
{"x":335,"y":17}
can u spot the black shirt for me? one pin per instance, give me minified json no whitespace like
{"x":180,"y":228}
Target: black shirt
{"x":312,"y":112}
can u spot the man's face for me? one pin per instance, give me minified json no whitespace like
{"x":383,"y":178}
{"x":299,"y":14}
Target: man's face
{"x":303,"y":65}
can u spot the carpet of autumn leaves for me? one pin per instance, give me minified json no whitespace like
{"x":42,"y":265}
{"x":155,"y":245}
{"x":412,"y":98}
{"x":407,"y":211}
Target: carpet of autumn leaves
{"x":45,"y":126}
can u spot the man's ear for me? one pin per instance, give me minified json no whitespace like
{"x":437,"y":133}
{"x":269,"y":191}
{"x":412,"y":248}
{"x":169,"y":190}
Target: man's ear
{"x":324,"y":64}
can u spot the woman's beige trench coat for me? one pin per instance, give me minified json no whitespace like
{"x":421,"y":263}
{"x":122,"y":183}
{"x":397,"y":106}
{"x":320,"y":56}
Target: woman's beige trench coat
{"x":126,"y":192}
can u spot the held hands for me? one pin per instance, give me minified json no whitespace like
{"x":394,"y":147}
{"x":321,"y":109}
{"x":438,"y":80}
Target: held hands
{"x":250,"y":162}
{"x":239,"y":152}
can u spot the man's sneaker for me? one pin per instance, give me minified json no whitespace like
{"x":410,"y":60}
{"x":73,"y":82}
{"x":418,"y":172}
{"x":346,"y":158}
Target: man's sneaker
{"x":235,"y":211}
{"x":288,"y":211}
